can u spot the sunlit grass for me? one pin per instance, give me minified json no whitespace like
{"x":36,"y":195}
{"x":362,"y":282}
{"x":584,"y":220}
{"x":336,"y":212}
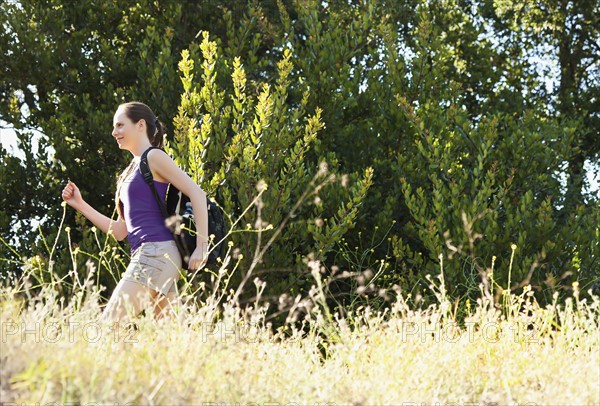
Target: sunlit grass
{"x":216,"y":350}
{"x":55,"y":351}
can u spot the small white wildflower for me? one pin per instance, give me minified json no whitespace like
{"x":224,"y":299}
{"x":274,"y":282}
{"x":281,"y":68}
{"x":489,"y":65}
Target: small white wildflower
{"x":261,"y":186}
{"x":344,"y":181}
{"x":322,"y":169}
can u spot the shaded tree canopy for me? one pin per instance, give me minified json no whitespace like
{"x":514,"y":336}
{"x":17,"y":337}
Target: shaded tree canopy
{"x":443,"y":129}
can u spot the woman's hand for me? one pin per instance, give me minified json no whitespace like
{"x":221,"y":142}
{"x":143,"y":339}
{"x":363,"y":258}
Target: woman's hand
{"x":198,"y":258}
{"x":72,"y":196}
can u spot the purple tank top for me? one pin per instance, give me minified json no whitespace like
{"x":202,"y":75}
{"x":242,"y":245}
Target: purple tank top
{"x":143,"y":217}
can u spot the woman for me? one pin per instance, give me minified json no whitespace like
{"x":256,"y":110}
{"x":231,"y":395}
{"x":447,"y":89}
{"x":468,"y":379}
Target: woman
{"x":152,"y":274}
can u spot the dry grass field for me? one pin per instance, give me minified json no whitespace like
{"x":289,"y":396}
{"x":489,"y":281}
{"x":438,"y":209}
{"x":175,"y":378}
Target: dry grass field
{"x":57,"y":352}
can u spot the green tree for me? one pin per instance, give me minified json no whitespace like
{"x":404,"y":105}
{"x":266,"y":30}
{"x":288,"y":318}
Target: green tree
{"x":566,"y":33}
{"x":68,"y":64}
{"x":433,"y":114}
{"x":235,"y":142}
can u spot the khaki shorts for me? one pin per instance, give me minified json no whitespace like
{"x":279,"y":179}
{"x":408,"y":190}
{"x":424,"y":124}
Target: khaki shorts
{"x":155,"y":265}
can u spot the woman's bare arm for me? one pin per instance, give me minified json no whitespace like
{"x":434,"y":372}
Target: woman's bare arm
{"x":164,"y":168}
{"x":72,"y":196}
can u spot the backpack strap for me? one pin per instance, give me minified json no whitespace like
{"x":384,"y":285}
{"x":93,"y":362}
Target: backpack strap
{"x":149,"y":179}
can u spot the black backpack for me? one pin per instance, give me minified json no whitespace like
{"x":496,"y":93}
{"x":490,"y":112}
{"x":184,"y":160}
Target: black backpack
{"x":179,"y":218}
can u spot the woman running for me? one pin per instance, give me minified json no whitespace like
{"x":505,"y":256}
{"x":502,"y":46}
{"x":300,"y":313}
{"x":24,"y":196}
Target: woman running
{"x":151,"y":277}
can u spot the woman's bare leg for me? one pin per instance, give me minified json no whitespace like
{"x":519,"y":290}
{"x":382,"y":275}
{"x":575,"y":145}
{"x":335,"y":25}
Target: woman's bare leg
{"x":166,"y":305}
{"x":127,"y":301}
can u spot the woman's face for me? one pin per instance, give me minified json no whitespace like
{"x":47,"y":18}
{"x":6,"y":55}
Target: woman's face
{"x":125,"y":131}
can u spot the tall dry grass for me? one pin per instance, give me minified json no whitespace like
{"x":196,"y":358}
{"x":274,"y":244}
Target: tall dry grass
{"x":218,"y":351}
{"x":54,"y":351}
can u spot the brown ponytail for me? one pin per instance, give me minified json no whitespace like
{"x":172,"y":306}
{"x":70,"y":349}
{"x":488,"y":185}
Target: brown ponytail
{"x":159,"y":134}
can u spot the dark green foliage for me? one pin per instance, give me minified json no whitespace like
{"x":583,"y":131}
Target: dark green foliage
{"x":433,"y":119}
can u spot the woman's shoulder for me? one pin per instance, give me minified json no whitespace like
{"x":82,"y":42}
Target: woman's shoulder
{"x":158,"y":155}
{"x":160,"y":163}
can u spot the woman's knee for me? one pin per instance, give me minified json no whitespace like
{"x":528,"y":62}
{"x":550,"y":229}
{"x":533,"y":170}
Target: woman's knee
{"x":167,"y":304}
{"x":128,"y":300}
